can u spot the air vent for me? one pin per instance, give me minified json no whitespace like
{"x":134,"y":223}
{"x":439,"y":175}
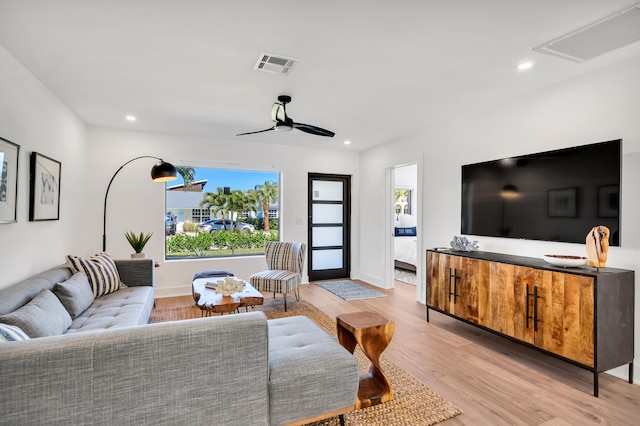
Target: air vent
{"x":276,"y":64}
{"x":600,"y":37}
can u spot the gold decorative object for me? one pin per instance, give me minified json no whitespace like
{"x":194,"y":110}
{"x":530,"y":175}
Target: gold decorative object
{"x":598,"y":246}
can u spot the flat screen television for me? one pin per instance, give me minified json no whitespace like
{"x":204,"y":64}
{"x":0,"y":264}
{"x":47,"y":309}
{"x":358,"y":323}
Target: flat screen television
{"x":551,"y":196}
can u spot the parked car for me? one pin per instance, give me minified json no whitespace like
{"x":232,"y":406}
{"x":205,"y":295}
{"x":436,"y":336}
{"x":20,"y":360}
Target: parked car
{"x":215,"y":225}
{"x":170,"y":223}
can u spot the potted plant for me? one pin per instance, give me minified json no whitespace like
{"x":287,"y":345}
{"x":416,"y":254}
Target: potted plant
{"x":137,"y":242}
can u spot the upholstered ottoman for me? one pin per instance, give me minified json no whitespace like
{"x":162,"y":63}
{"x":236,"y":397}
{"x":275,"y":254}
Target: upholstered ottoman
{"x":311,"y":376}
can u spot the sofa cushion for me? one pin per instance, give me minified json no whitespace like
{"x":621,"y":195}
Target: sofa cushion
{"x":75,"y":294}
{"x":21,"y":293}
{"x":127,"y":307}
{"x":310,"y":373}
{"x":100,"y":270}
{"x":42,"y":316}
{"x":11,"y":333}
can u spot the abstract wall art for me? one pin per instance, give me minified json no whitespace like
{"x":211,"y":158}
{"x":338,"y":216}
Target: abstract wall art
{"x":44,"y":203}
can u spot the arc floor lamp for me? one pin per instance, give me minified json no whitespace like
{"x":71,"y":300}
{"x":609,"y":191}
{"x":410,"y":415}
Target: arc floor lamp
{"x":160,"y":172}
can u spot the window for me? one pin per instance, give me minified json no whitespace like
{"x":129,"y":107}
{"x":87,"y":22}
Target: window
{"x":221,"y":212}
{"x":200,"y":215}
{"x":402,"y":201}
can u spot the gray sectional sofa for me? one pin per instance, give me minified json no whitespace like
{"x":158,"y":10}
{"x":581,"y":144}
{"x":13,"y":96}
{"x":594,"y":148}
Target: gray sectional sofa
{"x":109,"y":367}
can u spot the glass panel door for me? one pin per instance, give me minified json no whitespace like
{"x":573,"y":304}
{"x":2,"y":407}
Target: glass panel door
{"x":329,"y":223}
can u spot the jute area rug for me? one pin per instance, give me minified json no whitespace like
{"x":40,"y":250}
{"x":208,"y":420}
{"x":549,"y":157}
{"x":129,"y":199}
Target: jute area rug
{"x":413,"y":404}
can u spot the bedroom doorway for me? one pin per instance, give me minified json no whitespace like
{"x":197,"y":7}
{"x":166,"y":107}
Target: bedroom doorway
{"x":405,"y":223}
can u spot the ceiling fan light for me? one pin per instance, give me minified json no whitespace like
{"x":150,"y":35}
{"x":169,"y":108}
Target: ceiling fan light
{"x":283,"y":127}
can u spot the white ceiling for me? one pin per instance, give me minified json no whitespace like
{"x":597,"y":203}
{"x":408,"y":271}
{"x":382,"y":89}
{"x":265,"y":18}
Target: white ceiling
{"x":371,"y":71}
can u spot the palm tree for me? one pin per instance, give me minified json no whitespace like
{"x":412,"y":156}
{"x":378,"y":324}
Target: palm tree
{"x":265,"y":195}
{"x":188,"y":176}
{"x":239,"y":201}
{"x":218,"y":202}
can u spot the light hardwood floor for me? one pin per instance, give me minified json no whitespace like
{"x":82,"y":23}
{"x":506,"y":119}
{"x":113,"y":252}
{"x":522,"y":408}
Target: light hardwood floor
{"x":495,"y":381}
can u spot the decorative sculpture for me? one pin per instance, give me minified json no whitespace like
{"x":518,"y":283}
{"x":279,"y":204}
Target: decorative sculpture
{"x":463,"y":244}
{"x":597,"y":246}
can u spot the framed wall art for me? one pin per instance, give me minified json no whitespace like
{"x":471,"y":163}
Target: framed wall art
{"x":44,"y":203}
{"x":9,"y":154}
{"x":562,"y":202}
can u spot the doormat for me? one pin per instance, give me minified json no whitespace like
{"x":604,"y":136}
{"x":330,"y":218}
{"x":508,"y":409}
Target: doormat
{"x":349,"y":290}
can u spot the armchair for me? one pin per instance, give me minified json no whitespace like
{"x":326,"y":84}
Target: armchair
{"x":285,"y":262}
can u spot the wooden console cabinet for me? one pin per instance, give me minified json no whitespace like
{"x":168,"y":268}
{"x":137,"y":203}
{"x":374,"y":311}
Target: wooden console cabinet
{"x":582,"y":315}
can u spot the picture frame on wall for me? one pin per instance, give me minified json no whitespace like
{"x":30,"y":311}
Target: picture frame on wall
{"x":9,"y":155}
{"x":44,"y":203}
{"x":562,"y":202}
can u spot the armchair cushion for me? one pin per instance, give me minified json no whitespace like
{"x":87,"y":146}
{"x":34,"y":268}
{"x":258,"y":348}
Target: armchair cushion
{"x":276,"y":280}
{"x":284,"y":256}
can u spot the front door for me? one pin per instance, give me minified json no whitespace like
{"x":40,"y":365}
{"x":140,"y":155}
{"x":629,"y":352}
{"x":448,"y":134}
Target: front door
{"x":329,"y":226}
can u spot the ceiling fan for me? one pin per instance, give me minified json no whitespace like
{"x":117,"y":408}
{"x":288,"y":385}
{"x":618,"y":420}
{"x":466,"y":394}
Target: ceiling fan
{"x":282,"y":122}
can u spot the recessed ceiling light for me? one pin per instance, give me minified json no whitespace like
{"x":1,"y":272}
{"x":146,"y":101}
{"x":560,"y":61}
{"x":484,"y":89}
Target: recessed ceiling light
{"x":524,"y":65}
{"x":131,"y":118}
{"x":347,"y":142}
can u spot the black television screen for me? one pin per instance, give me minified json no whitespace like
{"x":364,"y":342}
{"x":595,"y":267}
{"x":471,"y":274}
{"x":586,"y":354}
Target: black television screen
{"x":552,"y":196}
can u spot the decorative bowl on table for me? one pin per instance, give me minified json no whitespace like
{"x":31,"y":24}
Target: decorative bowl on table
{"x":565,"y":260}
{"x":229,"y":285}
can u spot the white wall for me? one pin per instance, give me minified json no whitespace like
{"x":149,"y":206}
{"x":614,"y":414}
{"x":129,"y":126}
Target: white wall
{"x":601,"y":106}
{"x":37,"y":121}
{"x":136,"y":203}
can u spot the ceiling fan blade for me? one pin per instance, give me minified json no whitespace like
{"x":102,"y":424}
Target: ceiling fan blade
{"x":259,"y":131}
{"x":307,"y":128}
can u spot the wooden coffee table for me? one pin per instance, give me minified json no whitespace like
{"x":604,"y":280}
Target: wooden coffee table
{"x":372,"y":333}
{"x":211,"y":302}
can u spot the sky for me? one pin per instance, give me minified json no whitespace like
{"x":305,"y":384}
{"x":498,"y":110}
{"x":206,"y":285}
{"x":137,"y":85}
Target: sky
{"x":235,"y":179}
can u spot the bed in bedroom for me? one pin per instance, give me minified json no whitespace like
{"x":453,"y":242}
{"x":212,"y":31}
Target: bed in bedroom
{"x":405,"y":242}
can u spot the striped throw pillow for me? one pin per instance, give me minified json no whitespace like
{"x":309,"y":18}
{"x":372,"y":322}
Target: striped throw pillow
{"x":11,"y":333}
{"x":100,"y":270}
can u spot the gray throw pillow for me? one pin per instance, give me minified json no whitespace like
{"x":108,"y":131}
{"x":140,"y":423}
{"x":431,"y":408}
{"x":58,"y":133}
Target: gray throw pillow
{"x":75,"y":294}
{"x":43,"y":316}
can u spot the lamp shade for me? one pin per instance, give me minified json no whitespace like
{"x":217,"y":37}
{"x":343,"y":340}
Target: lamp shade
{"x":509,"y":191}
{"x":163,"y":172}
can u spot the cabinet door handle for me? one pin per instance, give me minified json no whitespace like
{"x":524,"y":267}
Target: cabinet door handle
{"x":455,"y":287}
{"x":535,"y":308}
{"x":527,"y":306}
{"x":452,"y":276}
